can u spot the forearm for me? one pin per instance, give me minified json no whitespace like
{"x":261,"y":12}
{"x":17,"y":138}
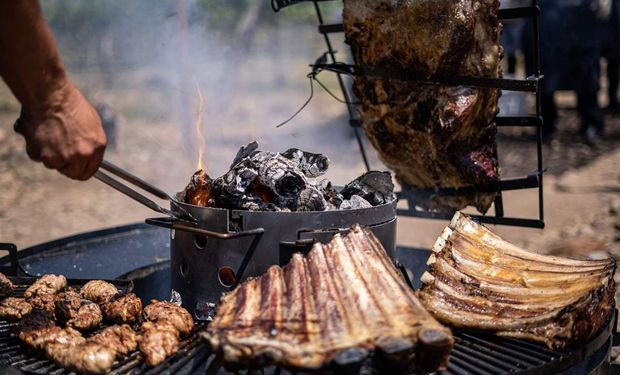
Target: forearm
{"x":29,"y":61}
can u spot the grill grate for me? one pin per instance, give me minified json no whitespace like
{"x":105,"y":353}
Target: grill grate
{"x":192,"y":351}
{"x":473,"y":353}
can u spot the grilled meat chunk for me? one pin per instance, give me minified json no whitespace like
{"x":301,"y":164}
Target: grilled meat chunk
{"x":159,"y":311}
{"x":76,"y":312}
{"x":98,"y":291}
{"x":47,"y":284}
{"x":67,"y":304}
{"x":43,"y":302}
{"x":431,"y":136}
{"x":87,"y":357}
{"x":344,"y":297}
{"x":6,"y":286}
{"x":122,"y":308}
{"x":87,"y":317}
{"x":159,"y":340}
{"x":38,"y":330}
{"x":13,"y":308}
{"x":121,"y":338}
{"x":479,"y":281}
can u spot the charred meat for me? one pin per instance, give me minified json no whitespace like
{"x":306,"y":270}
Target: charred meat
{"x":479,"y":281}
{"x":43,"y":302}
{"x":122,"y":308}
{"x":307,"y":314}
{"x":159,"y":340}
{"x":38,"y":330}
{"x":120,"y":338}
{"x":76,"y":312}
{"x":67,"y":304}
{"x":98,"y":291}
{"x":431,"y":136}
{"x":87,"y":317}
{"x":46,"y":284}
{"x":6,"y":286}
{"x":12,"y":308}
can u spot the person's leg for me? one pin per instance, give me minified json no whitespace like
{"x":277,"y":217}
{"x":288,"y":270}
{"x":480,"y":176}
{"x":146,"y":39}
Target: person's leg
{"x":512,"y":64}
{"x":612,"y":55}
{"x":549,"y":115}
{"x":588,"y":74}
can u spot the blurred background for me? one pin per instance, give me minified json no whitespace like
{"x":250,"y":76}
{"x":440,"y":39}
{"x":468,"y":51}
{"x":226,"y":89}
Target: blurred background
{"x":142,"y":64}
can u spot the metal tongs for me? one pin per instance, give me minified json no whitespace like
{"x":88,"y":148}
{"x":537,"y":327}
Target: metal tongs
{"x":182,"y":215}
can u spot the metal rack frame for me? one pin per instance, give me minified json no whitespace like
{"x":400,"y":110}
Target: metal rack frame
{"x":531,"y":84}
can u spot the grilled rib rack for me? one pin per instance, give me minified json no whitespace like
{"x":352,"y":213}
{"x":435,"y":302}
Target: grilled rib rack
{"x":473,"y":353}
{"x":533,"y":180}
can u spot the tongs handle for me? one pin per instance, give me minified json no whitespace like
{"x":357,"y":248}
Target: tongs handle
{"x":140,"y":183}
{"x":135,"y":180}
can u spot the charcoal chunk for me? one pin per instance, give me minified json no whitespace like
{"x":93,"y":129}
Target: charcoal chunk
{"x":312,"y":165}
{"x":355,"y":203}
{"x":269,"y":181}
{"x":311,"y":200}
{"x":244,"y":152}
{"x":375,"y":187}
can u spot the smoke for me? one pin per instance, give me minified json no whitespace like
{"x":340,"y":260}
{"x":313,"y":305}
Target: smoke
{"x":145,"y":58}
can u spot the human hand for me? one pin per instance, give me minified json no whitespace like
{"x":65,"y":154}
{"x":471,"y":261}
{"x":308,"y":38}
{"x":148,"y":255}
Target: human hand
{"x":64,"y":133}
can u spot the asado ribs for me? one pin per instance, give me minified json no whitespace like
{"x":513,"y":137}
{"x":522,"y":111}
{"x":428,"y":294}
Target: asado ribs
{"x":307,"y":315}
{"x":479,"y":281}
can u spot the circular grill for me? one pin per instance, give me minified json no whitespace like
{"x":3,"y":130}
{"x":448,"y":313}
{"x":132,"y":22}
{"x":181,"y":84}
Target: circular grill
{"x":132,"y":250}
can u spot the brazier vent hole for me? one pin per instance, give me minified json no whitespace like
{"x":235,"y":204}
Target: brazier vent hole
{"x":200,"y":241}
{"x":227,"y":276}
{"x":183,"y":269}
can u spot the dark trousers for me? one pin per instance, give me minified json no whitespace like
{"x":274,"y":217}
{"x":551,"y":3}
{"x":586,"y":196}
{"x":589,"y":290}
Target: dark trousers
{"x":611,"y":53}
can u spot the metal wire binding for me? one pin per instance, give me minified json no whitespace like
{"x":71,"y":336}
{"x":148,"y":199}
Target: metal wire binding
{"x":312,"y":78}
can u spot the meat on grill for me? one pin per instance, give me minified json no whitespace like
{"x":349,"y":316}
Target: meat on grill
{"x":121,"y":338}
{"x":46,"y":284}
{"x":162,"y":311}
{"x":431,"y":136}
{"x":479,"y":281}
{"x":159,"y":340}
{"x":78,"y":313}
{"x":122,"y":308}
{"x":344,"y":299}
{"x":6,"y":286}
{"x":43,"y":302}
{"x":38,"y":330}
{"x":98,"y":291}
{"x":13,"y":308}
{"x":86,"y":357}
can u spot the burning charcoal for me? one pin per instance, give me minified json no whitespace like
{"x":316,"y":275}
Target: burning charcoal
{"x":312,"y":165}
{"x":375,"y":187}
{"x":244,"y":153}
{"x":268,"y":176}
{"x":281,"y":177}
{"x":311,"y":200}
{"x":355,"y":203}
{"x":331,"y":195}
{"x":229,"y":190}
{"x":198,"y":191}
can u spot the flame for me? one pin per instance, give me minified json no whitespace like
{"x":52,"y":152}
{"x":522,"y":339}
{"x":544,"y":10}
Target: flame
{"x":201,"y":137}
